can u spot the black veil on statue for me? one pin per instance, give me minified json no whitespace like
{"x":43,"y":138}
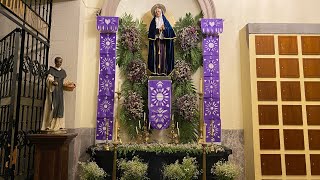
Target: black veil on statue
{"x":168,"y":36}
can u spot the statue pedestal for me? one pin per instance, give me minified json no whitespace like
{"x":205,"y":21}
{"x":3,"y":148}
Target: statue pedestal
{"x":159,"y":78}
{"x":51,"y":155}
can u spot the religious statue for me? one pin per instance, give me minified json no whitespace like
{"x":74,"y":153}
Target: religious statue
{"x":161,"y":47}
{"x":53,"y":116}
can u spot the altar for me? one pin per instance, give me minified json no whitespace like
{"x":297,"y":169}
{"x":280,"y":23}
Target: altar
{"x":151,"y":112}
{"x":158,"y":155}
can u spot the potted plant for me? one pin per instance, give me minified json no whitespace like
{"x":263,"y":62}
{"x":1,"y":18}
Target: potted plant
{"x":133,"y":169}
{"x":187,"y":170}
{"x":91,"y":171}
{"x":225,"y":170}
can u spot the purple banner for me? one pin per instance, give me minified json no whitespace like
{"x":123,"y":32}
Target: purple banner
{"x":214,"y":130}
{"x":210,"y":46}
{"x":211,"y":87}
{"x":108,"y":44}
{"x":212,"y":113}
{"x":107,"y":24}
{"x":106,"y":84}
{"x":211,"y":26}
{"x":211,"y":66}
{"x":211,"y":72}
{"x":102,"y":128}
{"x":108,"y":27}
{"x":159,"y":102}
{"x":211,"y":108}
{"x":105,"y":106}
{"x":107,"y":64}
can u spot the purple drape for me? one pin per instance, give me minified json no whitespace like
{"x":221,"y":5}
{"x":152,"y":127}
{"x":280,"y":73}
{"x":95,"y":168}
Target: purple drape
{"x":108,"y":27}
{"x":211,"y":28}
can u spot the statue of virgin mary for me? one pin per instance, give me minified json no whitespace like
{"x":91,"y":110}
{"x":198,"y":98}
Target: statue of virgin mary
{"x":161,"y":46}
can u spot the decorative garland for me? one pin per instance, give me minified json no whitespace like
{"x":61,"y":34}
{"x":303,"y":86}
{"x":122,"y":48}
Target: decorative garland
{"x":133,"y":71}
{"x":190,"y":148}
{"x":132,"y":40}
{"x":188,"y":60}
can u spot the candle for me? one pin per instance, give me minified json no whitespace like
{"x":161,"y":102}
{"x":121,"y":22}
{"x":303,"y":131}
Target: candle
{"x":177,"y":125}
{"x":144,"y":117}
{"x":178,"y":131}
{"x":173,"y":118}
{"x":149,"y":126}
{"x":139,"y":125}
{"x":201,"y":85}
{"x":137,"y":130}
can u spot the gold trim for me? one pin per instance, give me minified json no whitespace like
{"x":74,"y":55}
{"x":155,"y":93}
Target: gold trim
{"x":160,"y":6}
{"x":163,"y":38}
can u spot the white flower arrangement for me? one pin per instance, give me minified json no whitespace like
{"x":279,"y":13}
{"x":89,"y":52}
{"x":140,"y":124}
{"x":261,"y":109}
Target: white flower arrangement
{"x":187,"y":170}
{"x":225,"y":170}
{"x":133,"y":169}
{"x":91,"y":171}
{"x":190,"y":148}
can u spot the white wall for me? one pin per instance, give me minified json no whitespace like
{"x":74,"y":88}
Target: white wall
{"x":65,"y":42}
{"x":6,"y":26}
{"x":139,"y":7}
{"x":236,"y":15}
{"x":84,"y":59}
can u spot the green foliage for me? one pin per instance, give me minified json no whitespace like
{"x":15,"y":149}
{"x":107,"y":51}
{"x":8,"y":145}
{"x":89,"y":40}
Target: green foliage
{"x":127,"y":122}
{"x":188,"y":20}
{"x":187,"y":170}
{"x":188,"y":131}
{"x":163,"y":148}
{"x":190,"y":168}
{"x":225,"y":170}
{"x":140,"y":88}
{"x":190,"y":148}
{"x":126,"y":21}
{"x":124,"y":57}
{"x":173,"y":171}
{"x":91,"y":171}
{"x":195,"y":58}
{"x":182,"y":88}
{"x":133,"y":169}
{"x":194,"y":55}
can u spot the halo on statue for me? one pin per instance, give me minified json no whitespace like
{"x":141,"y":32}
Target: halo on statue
{"x":160,"y":6}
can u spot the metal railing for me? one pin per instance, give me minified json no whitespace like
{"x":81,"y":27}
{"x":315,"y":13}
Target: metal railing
{"x":23,"y":66}
{"x":32,"y":15}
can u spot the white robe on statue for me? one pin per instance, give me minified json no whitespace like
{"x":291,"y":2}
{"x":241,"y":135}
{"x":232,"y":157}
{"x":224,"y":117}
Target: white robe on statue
{"x":50,"y":123}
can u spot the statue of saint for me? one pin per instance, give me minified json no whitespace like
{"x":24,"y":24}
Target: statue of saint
{"x":161,"y":47}
{"x":53,"y":116}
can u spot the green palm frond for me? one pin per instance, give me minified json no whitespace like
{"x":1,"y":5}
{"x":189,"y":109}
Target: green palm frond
{"x":127,"y":123}
{"x":186,"y":21}
{"x":196,"y":58}
{"x":182,"y":88}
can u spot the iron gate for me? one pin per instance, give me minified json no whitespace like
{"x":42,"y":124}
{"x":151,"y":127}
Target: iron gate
{"x":23,"y":66}
{"x":23,"y":63}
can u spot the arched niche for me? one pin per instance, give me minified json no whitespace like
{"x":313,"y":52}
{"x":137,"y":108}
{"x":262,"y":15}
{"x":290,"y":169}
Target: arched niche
{"x":110,"y":7}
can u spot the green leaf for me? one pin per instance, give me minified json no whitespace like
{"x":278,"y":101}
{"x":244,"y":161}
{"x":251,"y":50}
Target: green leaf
{"x":196,"y":59}
{"x":186,"y":21}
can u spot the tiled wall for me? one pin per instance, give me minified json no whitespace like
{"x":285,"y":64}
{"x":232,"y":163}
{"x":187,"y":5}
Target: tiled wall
{"x":285,"y":87}
{"x":77,"y":149}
